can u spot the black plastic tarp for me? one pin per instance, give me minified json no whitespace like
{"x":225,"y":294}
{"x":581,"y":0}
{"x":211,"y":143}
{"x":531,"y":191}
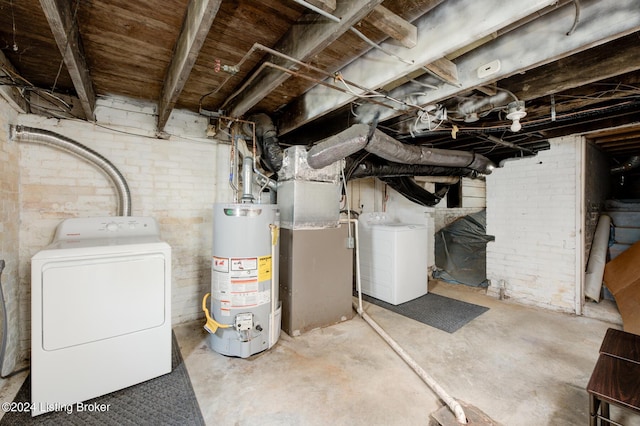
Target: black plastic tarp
{"x":461,"y":251}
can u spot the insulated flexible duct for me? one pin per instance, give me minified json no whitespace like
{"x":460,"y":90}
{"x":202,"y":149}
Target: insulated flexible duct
{"x":369,"y":169}
{"x":338,"y":146}
{"x":45,"y":137}
{"x":386,"y":147}
{"x":379,"y":143}
{"x":414,"y":192}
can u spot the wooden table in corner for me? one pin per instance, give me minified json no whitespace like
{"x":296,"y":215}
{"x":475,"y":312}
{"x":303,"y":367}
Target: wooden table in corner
{"x":616,"y":376}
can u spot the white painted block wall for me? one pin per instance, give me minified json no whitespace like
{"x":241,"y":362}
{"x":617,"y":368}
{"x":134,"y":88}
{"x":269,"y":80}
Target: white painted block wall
{"x":174,"y":181}
{"x":534,"y":212}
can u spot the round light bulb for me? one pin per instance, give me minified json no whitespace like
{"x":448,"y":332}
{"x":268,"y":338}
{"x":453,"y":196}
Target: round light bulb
{"x":516,"y":126}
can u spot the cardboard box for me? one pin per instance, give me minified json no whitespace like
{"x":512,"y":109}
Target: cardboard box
{"x":622,"y":278}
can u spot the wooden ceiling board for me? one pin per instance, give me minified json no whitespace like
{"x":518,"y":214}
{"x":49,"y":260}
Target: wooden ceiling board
{"x":129,"y":44}
{"x":237,"y":27}
{"x":27,"y":41}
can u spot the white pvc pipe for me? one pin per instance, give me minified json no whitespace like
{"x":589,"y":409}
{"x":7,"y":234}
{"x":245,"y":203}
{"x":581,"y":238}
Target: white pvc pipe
{"x":597,"y":259}
{"x":453,"y":405}
{"x":273,"y":333}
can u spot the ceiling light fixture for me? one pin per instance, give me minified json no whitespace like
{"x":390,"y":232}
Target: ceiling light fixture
{"x":515,"y":112}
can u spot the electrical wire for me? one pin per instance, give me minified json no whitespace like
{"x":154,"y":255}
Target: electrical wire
{"x":60,"y":109}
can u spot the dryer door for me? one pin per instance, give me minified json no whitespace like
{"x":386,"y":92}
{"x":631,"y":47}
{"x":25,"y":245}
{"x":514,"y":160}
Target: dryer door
{"x":88,"y":300}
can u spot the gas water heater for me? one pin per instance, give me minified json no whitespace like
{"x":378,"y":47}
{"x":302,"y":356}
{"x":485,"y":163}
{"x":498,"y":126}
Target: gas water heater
{"x":244,"y":314}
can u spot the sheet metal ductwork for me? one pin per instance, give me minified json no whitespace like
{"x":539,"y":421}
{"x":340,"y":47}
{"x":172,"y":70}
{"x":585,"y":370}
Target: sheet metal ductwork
{"x":267,"y":139}
{"x":45,"y":137}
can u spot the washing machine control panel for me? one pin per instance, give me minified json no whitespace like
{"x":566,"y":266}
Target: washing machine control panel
{"x":97,"y":227}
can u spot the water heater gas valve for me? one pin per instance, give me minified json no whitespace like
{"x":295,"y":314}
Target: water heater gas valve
{"x":244,"y":322}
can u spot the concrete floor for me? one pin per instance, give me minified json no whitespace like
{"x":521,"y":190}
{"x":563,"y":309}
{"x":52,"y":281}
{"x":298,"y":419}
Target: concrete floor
{"x":521,"y":366}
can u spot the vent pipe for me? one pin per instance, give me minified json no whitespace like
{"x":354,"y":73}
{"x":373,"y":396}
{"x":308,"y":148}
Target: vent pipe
{"x":267,"y":136}
{"x":45,"y":137}
{"x":247,"y":180}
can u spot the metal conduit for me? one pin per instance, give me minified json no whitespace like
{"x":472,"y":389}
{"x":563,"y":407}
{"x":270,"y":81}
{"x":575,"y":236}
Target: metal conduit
{"x":261,"y":47}
{"x":45,"y":137}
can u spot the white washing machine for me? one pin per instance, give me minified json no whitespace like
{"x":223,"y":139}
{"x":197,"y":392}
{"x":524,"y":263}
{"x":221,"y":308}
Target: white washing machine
{"x":100,"y":310}
{"x":393,"y":258}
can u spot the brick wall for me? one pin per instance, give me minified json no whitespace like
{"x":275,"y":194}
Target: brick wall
{"x":9,"y":232}
{"x":534,"y":213}
{"x":174,"y":181}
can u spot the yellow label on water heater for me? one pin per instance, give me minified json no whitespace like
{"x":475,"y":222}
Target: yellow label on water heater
{"x":264,"y":268}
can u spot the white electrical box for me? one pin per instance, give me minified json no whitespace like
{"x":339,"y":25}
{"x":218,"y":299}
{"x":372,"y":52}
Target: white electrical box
{"x":393,"y":259}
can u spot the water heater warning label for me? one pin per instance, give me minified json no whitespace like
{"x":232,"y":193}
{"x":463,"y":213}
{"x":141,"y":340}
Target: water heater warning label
{"x":264,"y":268}
{"x":244,"y":264}
{"x":236,"y":282}
{"x":220,"y":264}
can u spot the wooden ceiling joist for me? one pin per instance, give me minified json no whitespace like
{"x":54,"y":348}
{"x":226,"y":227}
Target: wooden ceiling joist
{"x":302,"y":42}
{"x":197,"y":22}
{"x":439,"y":34}
{"x":65,"y":31}
{"x":394,"y":26}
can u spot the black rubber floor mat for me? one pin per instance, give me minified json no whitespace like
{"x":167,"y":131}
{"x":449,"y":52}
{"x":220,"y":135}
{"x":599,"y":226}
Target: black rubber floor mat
{"x":437,"y":311}
{"x":165,"y":400}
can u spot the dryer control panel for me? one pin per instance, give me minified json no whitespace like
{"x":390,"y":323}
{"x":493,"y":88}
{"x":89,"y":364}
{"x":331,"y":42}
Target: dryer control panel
{"x":106,"y":227}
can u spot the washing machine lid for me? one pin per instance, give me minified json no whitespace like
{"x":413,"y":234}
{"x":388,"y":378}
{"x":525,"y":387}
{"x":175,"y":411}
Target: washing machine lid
{"x":398,"y":227}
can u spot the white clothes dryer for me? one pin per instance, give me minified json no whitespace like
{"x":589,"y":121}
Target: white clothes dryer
{"x":100,"y":310}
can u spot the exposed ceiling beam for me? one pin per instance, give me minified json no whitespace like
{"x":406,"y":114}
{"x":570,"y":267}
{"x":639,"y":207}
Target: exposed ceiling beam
{"x":64,"y":27}
{"x":521,"y":50}
{"x":11,"y":94}
{"x":623,"y":118}
{"x":599,"y":63}
{"x":439,"y":33}
{"x":195,"y":27}
{"x":394,"y":26}
{"x":445,"y":70}
{"x":309,"y":36}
